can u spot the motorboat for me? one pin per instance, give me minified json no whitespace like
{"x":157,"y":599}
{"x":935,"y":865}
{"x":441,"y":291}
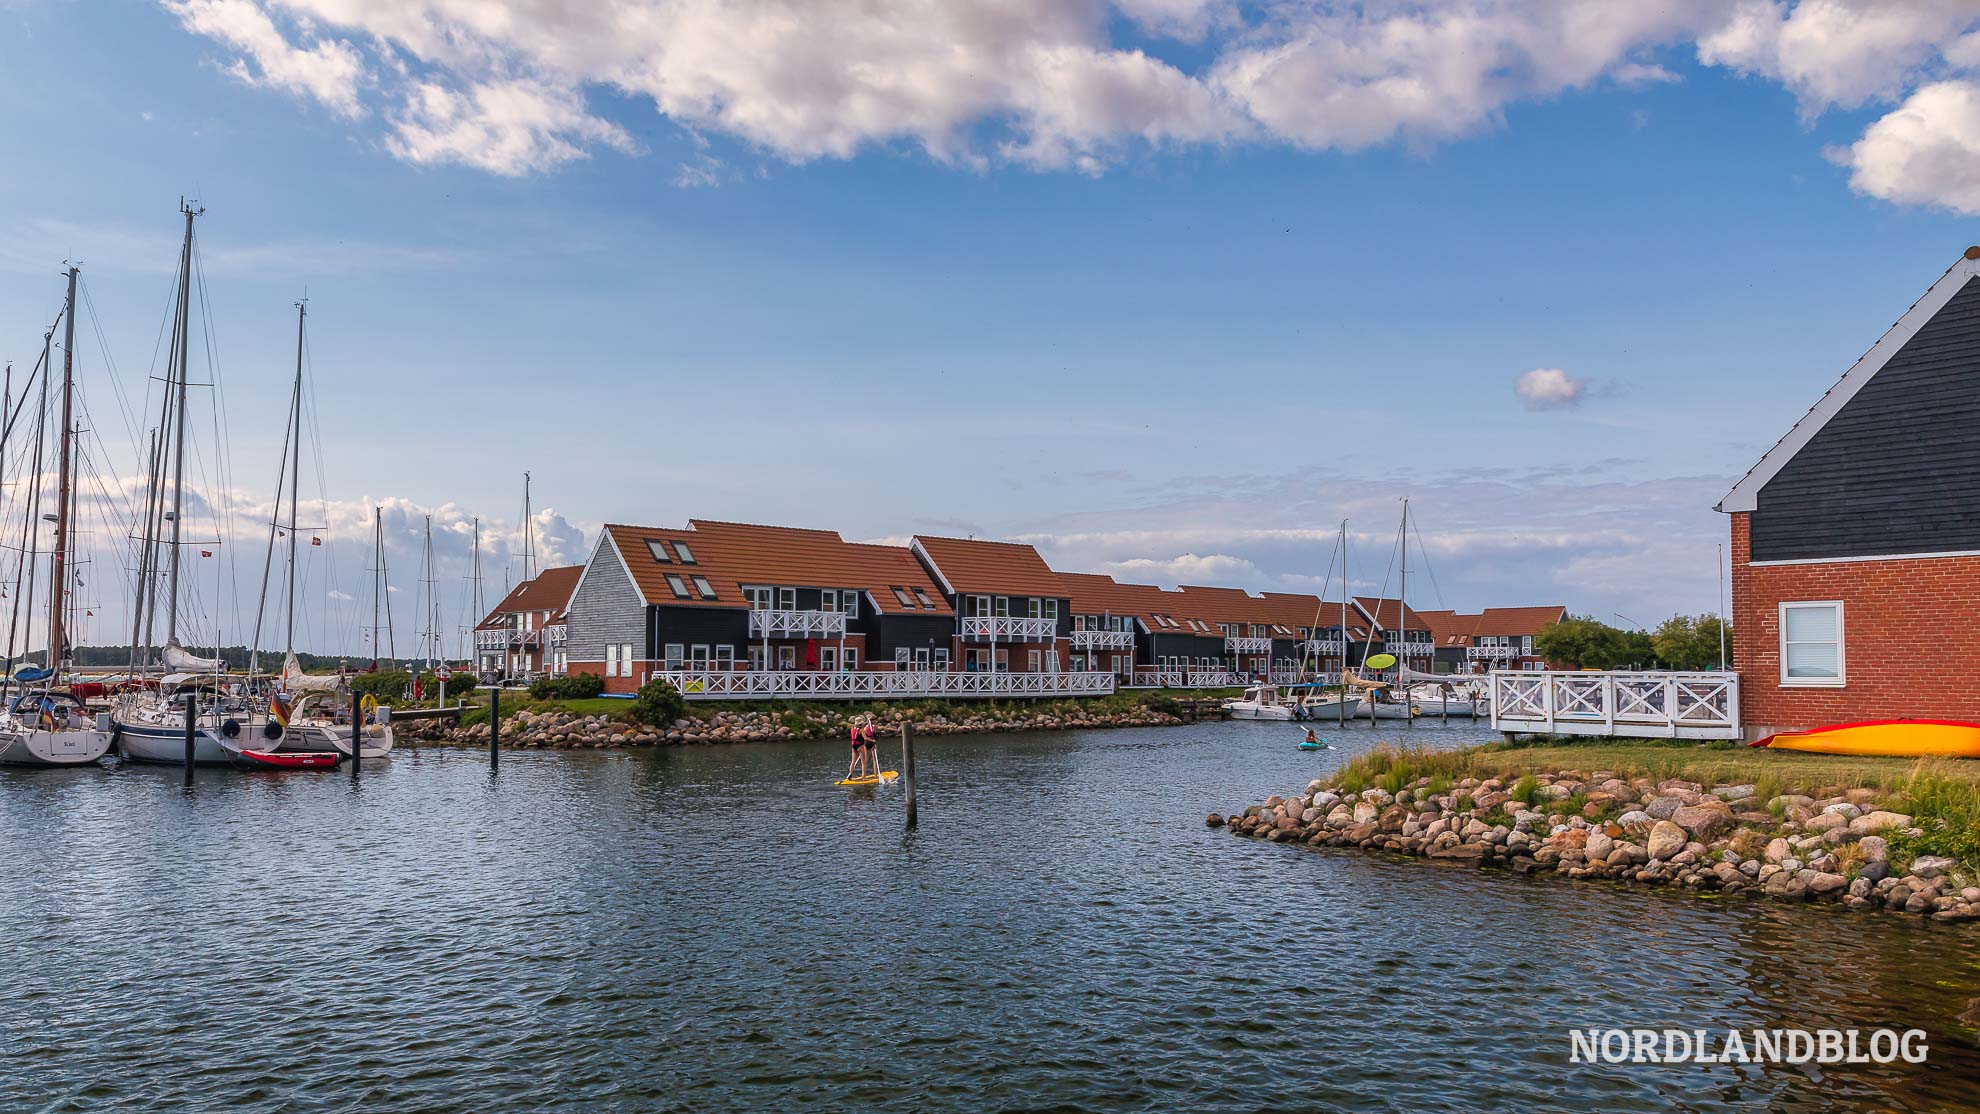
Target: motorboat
{"x":52,"y":728}
{"x":1259,"y":702}
{"x":321,"y":720}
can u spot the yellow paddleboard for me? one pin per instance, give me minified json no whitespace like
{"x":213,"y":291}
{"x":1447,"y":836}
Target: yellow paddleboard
{"x":1894,"y":738}
{"x":885,"y":775}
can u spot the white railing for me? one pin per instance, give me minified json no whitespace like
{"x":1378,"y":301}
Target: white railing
{"x":1186,"y":679}
{"x":1237,"y":645}
{"x":1102,"y":640}
{"x":491,"y":639}
{"x":556,"y":635}
{"x":1333,"y":646}
{"x":1492,"y":653}
{"x":879,"y":684}
{"x":1411,"y":649}
{"x":1664,"y":705}
{"x":1007,"y":628}
{"x":769,"y":623}
{"x":1295,"y":677}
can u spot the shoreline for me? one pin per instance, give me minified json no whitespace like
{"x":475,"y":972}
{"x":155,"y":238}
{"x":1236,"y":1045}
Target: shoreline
{"x":553,"y":728}
{"x":1846,"y":847}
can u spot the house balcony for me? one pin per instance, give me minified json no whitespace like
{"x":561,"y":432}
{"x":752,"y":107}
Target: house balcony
{"x":556,"y":636}
{"x":1326,"y":646}
{"x":1249,"y":646}
{"x":1006,"y":628}
{"x":698,"y":684}
{"x":503,"y":639}
{"x":1492,"y":653}
{"x":1102,"y":640}
{"x":764,"y":623}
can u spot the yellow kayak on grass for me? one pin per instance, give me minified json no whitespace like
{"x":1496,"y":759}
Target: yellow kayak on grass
{"x":885,"y":775}
{"x":1889,"y":738}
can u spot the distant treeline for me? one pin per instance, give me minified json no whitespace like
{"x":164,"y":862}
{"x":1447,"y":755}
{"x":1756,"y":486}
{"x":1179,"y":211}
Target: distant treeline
{"x":235,"y":657}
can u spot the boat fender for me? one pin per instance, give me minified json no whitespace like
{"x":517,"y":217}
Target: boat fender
{"x":271,"y":730}
{"x":230,"y":727}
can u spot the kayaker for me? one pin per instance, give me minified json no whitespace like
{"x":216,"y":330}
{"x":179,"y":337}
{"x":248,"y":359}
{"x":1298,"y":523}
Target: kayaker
{"x":1311,"y":738}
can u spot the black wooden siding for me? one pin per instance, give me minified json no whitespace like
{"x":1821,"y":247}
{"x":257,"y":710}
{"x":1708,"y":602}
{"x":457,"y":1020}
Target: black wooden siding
{"x":1897,"y":469}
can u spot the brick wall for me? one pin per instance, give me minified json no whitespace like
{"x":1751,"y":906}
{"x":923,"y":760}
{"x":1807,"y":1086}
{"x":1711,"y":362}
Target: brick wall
{"x":1911,"y":637}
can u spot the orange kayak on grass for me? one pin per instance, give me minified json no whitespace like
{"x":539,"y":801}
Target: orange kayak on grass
{"x":1889,"y":738}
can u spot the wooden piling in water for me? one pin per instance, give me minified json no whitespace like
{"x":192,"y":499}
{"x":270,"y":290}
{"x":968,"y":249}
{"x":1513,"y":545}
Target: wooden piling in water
{"x":907,"y":771}
{"x":192,"y":719}
{"x":495,"y":727}
{"x":357,"y":732}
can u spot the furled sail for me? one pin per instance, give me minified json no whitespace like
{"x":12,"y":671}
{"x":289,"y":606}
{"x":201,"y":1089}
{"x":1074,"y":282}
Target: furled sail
{"x":178,"y":660}
{"x":295,"y":680}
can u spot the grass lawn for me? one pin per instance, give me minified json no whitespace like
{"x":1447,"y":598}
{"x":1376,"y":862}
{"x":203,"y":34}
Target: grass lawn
{"x":1717,"y":764}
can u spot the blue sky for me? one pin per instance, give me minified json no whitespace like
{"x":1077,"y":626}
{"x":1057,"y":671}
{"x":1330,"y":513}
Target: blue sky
{"x":1184,"y":359}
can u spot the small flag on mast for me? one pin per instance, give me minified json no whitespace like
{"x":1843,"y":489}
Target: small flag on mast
{"x":206,"y":553}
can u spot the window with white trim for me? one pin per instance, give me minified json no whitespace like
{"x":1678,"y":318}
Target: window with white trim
{"x":942,"y":659}
{"x":759,"y":597}
{"x":902,"y":656}
{"x":676,"y":653}
{"x":852,"y":658}
{"x":1812,"y":644}
{"x":787,"y":599}
{"x":611,"y":661}
{"x":626,"y":659}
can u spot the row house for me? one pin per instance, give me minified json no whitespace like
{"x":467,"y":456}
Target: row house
{"x":1013,"y":613}
{"x":1258,"y":635}
{"x":1496,"y":638}
{"x":725,"y":597}
{"x":1858,"y":534}
{"x":1328,"y":635}
{"x":1400,"y":630}
{"x":525,"y":635}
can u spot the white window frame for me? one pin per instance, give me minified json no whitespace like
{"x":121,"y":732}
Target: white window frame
{"x":941,"y":659}
{"x":1841,"y":678}
{"x":611,"y":661}
{"x":828,"y":599}
{"x":828,"y":659}
{"x":676,"y":654}
{"x":787,"y":599}
{"x":851,"y":660}
{"x":626,"y":660}
{"x":849,"y":602}
{"x":903,"y":659}
{"x":759,"y":597}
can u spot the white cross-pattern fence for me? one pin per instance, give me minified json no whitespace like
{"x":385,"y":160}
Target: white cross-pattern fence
{"x":1616,"y":703}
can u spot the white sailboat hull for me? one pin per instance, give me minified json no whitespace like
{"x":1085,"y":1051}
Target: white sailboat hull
{"x":1380,"y":711}
{"x":32,"y":746}
{"x":167,"y":746}
{"x":1252,"y":709}
{"x":377,"y":739}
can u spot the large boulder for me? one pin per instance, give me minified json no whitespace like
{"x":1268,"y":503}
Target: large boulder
{"x":1872,"y":822}
{"x":1706,"y":822}
{"x":1599,"y":846}
{"x":1666,"y":839}
{"x":1663,"y":808}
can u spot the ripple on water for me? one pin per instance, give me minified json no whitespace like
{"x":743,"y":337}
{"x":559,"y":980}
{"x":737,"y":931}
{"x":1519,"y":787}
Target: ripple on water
{"x":722,"y":926}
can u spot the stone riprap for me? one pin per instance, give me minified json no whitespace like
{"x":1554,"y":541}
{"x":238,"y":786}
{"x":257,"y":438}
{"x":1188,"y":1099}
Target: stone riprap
{"x":1792,"y":847}
{"x":565,"y":730}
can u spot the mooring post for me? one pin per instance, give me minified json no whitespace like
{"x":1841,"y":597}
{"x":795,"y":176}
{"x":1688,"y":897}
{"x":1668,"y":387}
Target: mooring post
{"x":192,"y":717}
{"x":495,"y":726}
{"x":907,"y":770}
{"x":357,"y":732}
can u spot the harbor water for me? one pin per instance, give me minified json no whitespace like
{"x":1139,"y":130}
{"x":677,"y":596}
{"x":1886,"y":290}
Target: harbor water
{"x":722,"y":927}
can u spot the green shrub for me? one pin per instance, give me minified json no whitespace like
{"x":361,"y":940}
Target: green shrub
{"x":459,"y":683}
{"x":1526,"y":790}
{"x":388,"y":687}
{"x":576,"y":686}
{"x":658,"y":704}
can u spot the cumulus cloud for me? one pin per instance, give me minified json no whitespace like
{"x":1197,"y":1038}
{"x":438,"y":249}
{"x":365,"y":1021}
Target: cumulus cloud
{"x":1925,"y":152}
{"x":502,"y":85}
{"x":1549,"y":388}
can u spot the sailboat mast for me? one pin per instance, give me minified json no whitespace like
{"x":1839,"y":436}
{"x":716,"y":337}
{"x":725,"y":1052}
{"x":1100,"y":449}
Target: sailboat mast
{"x":529,"y":534}
{"x":295,"y":478}
{"x":1402,"y":590}
{"x":58,"y":576}
{"x":377,"y":579}
{"x":179,"y":436}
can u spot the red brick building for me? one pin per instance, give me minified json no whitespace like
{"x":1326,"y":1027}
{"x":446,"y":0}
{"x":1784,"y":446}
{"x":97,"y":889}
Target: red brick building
{"x":1856,"y":540}
{"x":524,"y":635}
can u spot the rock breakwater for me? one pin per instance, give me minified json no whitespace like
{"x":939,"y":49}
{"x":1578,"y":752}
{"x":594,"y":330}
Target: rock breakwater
{"x":1838,"y":848}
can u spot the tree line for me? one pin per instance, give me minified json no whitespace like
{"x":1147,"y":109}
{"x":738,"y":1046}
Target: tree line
{"x":1679,"y":642}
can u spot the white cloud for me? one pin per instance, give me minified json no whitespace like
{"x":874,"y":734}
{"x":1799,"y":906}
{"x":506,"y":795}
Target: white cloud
{"x":1549,"y":388}
{"x":327,"y":70}
{"x":501,"y":85}
{"x":1926,"y":151}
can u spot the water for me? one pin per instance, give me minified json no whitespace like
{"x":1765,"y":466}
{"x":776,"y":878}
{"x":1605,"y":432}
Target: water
{"x":722,"y":927}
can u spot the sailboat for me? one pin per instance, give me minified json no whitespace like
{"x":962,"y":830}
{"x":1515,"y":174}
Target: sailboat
{"x":313,"y":711}
{"x":46,"y":726}
{"x":229,"y":724}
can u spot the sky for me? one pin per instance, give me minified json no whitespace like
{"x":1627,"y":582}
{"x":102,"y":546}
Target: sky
{"x":1169,"y":288}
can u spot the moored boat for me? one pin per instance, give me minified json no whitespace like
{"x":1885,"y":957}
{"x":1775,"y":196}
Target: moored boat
{"x":1889,"y":738}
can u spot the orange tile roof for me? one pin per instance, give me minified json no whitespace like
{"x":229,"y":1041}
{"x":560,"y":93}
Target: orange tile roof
{"x":1518,"y":620}
{"x":732,"y":554}
{"x":1385,"y":613}
{"x":1448,"y":628}
{"x":1094,"y":594}
{"x":1007,"y":568}
{"x":550,"y":590}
